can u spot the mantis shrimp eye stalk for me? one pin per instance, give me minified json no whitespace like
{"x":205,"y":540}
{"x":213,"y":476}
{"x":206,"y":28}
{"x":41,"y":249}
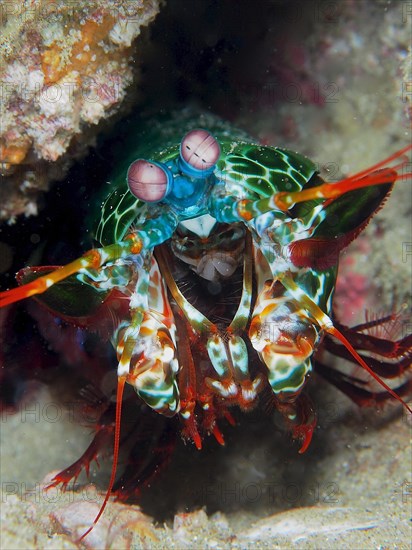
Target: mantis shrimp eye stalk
{"x":148,"y":181}
{"x":199,"y":153}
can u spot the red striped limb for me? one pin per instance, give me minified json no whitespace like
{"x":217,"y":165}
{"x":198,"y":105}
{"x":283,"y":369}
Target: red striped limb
{"x":358,"y":389}
{"x":102,"y":439}
{"x":388,"y":358}
{"x":326,"y":324}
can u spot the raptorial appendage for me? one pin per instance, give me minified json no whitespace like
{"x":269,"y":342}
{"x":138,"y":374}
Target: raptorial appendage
{"x":249,"y":228}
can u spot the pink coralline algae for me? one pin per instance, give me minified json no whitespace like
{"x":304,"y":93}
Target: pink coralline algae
{"x":354,"y":289}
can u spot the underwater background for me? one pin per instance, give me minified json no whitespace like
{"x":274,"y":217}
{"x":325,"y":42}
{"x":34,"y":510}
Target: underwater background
{"x":331,"y":80}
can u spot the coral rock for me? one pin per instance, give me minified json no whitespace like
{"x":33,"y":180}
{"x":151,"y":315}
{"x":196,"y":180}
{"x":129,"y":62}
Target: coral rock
{"x":65,"y":66}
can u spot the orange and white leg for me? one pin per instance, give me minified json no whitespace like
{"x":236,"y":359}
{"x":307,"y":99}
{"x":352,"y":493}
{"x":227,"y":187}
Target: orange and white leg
{"x":147,"y":346}
{"x":93,"y":259}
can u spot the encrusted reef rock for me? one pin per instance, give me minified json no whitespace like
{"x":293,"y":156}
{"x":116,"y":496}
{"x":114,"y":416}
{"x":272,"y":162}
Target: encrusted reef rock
{"x":65,"y":65}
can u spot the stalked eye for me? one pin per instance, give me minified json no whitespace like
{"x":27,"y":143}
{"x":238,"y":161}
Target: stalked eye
{"x":200,"y":149}
{"x":148,"y":181}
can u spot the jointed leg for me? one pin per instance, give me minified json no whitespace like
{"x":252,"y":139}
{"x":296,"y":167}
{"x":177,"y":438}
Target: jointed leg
{"x":93,"y":259}
{"x":151,"y":233}
{"x":229,"y":209}
{"x":147,"y":348}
